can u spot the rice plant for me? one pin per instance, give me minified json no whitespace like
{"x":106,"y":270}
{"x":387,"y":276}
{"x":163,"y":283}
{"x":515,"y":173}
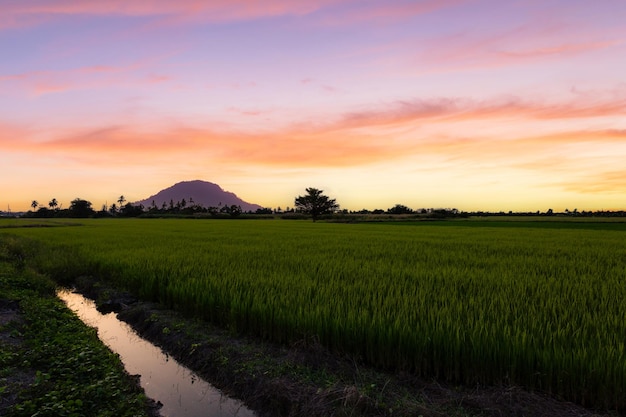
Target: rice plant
{"x":474,"y":303}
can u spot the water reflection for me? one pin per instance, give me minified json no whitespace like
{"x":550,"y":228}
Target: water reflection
{"x":182,"y":393}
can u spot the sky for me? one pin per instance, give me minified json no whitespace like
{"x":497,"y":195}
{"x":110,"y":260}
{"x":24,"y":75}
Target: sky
{"x":470,"y":104}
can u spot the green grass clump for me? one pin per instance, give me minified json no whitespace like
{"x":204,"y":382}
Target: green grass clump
{"x":537,"y":304}
{"x":52,"y":364}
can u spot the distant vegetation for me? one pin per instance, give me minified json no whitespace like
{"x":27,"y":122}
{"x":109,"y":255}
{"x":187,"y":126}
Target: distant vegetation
{"x":314,"y":203}
{"x":83,"y":209}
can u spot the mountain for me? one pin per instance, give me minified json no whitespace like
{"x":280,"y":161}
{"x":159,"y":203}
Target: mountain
{"x":203,"y":193}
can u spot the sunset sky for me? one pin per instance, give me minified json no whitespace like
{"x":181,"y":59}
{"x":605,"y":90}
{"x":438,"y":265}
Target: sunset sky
{"x":472,"y":104}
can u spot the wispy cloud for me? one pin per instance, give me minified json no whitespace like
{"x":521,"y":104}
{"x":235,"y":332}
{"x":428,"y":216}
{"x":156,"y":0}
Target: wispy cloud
{"x":526,"y":42}
{"x":557,"y":49}
{"x":287,"y":148}
{"x":386,"y":12}
{"x":352,"y":140}
{"x":321,"y":86}
{"x":458,"y":109}
{"x":602,"y":182}
{"x":344,"y":11}
{"x":16,"y":138}
{"x":249,"y":112}
{"x":99,"y":76}
{"x":34,"y":12}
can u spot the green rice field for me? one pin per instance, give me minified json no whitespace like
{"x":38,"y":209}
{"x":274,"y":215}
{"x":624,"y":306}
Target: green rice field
{"x":536,"y":304}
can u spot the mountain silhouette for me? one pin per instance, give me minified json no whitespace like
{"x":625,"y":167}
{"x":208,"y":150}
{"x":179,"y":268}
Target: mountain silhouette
{"x":203,"y":193}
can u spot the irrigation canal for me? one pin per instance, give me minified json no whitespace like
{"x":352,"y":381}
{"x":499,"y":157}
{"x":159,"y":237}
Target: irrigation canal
{"x":182,"y":393}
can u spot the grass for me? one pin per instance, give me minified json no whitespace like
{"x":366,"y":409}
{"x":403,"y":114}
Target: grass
{"x":51,"y":363}
{"x":539,"y":304}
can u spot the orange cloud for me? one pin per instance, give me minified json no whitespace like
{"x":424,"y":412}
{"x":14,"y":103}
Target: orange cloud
{"x":323,"y":147}
{"x":603,"y":182}
{"x":356,"y":139}
{"x":523,"y":146}
{"x":286,"y":148}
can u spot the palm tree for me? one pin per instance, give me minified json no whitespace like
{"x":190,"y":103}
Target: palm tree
{"x":53,"y":204}
{"x":34,"y":205}
{"x":121,"y":200}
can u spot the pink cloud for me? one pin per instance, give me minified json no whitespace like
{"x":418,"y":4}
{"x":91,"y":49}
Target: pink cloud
{"x":387,"y":12}
{"x":456,"y":109}
{"x":313,"y":83}
{"x":16,"y":138}
{"x":559,"y":49}
{"x":46,"y":82}
{"x":158,"y":79}
{"x":357,"y":138}
{"x":248,"y":112}
{"x":524,"y":43}
{"x":19,"y":14}
{"x":341,"y":12}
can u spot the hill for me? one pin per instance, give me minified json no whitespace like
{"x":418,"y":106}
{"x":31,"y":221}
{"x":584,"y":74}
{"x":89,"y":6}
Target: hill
{"x":204,"y":193}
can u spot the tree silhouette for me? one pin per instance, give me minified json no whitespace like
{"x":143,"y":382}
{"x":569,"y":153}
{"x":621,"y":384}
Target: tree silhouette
{"x":315,"y":203}
{"x":121,"y":200}
{"x":34,"y":205}
{"x":399,"y":209}
{"x":81,"y":208}
{"x":53,"y":204}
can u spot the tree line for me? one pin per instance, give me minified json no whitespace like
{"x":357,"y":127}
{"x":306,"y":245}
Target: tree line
{"x":313,"y":203}
{"x":80,"y":208}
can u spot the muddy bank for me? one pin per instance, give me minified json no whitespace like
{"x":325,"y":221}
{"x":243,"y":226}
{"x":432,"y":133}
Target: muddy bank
{"x":179,"y":391}
{"x":307,"y":380}
{"x":51,"y":364}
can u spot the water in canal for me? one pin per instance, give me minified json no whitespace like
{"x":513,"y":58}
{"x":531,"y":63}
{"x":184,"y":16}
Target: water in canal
{"x":182,"y":393}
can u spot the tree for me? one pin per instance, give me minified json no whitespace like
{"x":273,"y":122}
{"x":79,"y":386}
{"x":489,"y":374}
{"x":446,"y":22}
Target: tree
{"x":399,"y":209}
{"x":34,"y":205}
{"x":53,"y":204}
{"x":131,"y":211}
{"x":235,"y":210}
{"x":315,"y":203}
{"x":121,"y":200}
{"x":81,"y":208}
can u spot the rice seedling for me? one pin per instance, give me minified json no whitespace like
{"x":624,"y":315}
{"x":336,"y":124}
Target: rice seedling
{"x":474,"y":303}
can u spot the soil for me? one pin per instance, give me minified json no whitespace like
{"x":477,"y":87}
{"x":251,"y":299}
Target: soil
{"x":305,"y":379}
{"x":15,"y":381}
